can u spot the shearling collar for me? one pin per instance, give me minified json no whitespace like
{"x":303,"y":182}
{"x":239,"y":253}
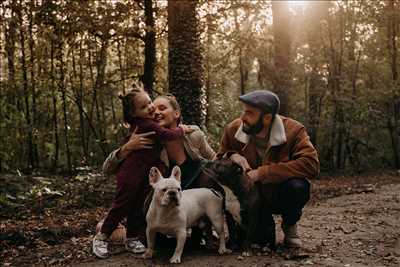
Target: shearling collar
{"x":277,"y":136}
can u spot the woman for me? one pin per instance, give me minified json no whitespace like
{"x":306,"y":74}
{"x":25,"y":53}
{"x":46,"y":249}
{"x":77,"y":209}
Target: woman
{"x":189,"y":153}
{"x":192,"y":148}
{"x":132,"y":183}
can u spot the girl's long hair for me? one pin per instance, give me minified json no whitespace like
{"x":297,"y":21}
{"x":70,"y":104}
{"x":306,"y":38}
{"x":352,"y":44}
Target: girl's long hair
{"x":128,"y":107}
{"x":128,"y":104}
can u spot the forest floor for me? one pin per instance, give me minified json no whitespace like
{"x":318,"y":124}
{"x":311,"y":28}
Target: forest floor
{"x":350,"y":221}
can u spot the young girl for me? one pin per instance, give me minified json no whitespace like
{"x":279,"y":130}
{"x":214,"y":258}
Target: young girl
{"x":132,"y":182}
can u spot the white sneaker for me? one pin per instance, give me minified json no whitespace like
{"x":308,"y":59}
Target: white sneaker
{"x":134,"y":245}
{"x":100,"y":246}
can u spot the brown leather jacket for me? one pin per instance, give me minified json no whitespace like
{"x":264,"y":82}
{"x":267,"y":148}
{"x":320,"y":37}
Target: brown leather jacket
{"x":289,"y":153}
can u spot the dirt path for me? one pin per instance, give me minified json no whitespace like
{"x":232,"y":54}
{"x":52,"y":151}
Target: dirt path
{"x":350,"y":221}
{"x":360,"y":229}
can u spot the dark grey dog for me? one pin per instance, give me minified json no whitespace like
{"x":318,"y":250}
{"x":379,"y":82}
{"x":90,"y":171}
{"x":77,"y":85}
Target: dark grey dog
{"x":255,"y":227}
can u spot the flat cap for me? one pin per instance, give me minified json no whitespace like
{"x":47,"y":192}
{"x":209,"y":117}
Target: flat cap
{"x":265,"y":100}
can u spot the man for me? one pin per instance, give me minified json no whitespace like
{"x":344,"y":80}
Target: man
{"x":277,"y":155}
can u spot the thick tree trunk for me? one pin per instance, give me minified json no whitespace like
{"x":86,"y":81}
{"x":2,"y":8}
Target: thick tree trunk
{"x":282,"y":43}
{"x":149,"y":47}
{"x":185,"y":61}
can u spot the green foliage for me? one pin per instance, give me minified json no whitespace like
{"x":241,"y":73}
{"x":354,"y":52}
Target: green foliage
{"x":23,"y":195}
{"x":81,"y":55}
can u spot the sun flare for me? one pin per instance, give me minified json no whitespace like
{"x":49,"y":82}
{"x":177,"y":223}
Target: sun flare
{"x":297,"y":3}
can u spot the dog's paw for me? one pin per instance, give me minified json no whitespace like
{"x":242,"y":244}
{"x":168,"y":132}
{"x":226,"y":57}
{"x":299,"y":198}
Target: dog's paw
{"x":224,"y":251}
{"x":148,"y":254}
{"x":246,"y":253}
{"x":175,"y":259}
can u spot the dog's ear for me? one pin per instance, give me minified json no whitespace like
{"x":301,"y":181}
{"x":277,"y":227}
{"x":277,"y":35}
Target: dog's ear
{"x":154,"y":176}
{"x":176,"y":173}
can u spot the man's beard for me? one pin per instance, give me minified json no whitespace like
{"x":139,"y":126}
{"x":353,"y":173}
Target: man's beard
{"x":254,"y":128}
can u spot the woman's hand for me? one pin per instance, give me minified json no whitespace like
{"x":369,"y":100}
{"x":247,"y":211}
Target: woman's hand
{"x":186,"y":128}
{"x":136,"y":142}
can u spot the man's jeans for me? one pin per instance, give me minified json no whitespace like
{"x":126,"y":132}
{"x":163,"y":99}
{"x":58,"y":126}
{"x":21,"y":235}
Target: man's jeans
{"x":288,"y":201}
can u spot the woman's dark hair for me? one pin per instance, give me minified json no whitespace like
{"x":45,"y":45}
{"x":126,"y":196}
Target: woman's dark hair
{"x":174,"y":104}
{"x":128,"y":105}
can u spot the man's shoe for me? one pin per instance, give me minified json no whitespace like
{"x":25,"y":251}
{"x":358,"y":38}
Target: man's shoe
{"x":100,"y":246}
{"x":292,"y":239}
{"x":134,"y":245}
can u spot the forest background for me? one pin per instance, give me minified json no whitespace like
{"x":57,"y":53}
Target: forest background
{"x":63,"y":63}
{"x":334,"y":64}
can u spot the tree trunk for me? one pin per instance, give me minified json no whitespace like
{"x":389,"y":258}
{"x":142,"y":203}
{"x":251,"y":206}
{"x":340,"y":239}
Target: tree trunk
{"x":352,"y":72}
{"x":10,"y":36}
{"x":55,"y":111}
{"x":208,"y":70}
{"x":334,"y":83}
{"x":185,"y":62}
{"x":92,"y":79}
{"x":121,"y":66}
{"x":28,"y":126}
{"x":101,"y":81}
{"x":282,"y":43}
{"x":394,"y":106}
{"x":10,"y":39}
{"x":33,"y":84}
{"x":2,"y":93}
{"x":61,"y":87}
{"x":149,"y":47}
{"x":317,"y":11}
{"x":98,"y":128}
{"x":101,"y":62}
{"x":79,"y":100}
{"x":243,"y":73}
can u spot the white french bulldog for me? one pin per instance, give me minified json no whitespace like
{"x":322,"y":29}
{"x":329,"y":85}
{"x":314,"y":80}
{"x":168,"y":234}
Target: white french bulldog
{"x":172,"y":211}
